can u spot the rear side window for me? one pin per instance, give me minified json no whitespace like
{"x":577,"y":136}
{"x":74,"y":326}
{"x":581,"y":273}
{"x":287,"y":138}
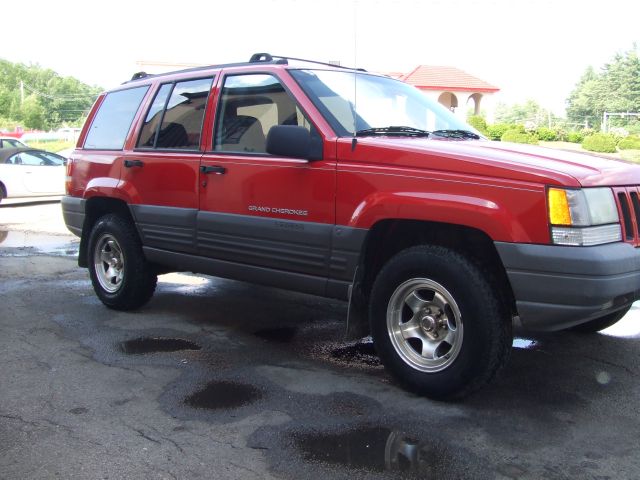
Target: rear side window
{"x":112,"y":122}
{"x":174,"y":119}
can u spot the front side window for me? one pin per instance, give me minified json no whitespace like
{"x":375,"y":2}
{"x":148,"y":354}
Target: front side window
{"x":174,"y":119}
{"x":249,"y":106}
{"x":356,"y":101}
{"x":112,"y":122}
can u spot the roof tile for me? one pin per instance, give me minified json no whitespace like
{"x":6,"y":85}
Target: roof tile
{"x":446,"y":78}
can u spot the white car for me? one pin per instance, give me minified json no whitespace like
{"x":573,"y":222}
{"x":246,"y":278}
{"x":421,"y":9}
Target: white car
{"x":27,"y":172}
{"x":10,"y":142}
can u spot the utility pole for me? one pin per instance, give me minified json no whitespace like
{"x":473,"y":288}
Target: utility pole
{"x":21,"y":93}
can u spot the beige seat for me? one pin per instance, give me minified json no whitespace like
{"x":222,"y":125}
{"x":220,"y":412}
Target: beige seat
{"x":242,"y":133}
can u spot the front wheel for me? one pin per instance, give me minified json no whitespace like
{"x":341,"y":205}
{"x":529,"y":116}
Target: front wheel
{"x":120,"y":274}
{"x":438,"y":322}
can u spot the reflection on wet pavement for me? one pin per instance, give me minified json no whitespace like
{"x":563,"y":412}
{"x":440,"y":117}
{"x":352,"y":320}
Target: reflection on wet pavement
{"x":41,"y":242}
{"x":140,"y":346}
{"x":524,"y":343}
{"x":376,"y":449}
{"x":223,"y":394}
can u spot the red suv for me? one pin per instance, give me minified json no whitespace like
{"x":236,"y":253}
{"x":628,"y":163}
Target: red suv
{"x":350,"y":185}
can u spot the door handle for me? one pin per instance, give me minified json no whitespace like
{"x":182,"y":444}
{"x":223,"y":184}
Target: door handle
{"x":133,"y":163}
{"x":217,"y":169}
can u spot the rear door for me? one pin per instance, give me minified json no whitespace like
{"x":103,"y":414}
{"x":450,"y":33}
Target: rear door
{"x":161,"y":172}
{"x":270,"y":219}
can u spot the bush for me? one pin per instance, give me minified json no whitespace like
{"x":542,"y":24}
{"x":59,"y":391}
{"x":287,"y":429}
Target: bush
{"x":600,"y":142}
{"x":631,"y":142}
{"x":575,"y":137}
{"x":517,"y":136}
{"x":546,"y":134}
{"x":479,"y":123}
{"x":496,"y":131}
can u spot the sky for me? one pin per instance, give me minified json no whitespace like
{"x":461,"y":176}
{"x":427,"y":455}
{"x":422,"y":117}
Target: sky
{"x":529,"y":49}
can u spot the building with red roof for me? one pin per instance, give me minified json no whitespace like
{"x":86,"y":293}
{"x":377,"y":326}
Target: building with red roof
{"x":454,"y":88}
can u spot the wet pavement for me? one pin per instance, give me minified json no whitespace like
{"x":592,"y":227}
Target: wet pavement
{"x":221,"y":379}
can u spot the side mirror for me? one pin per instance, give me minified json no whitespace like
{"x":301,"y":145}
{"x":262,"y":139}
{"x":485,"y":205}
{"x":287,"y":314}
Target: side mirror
{"x":293,"y":141}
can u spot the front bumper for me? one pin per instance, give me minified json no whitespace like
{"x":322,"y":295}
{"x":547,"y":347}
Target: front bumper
{"x":557,"y":287}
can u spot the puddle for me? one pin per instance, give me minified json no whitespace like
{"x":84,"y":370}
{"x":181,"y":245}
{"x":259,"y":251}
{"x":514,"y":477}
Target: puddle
{"x":280,"y":335}
{"x":41,"y":242}
{"x":524,"y":343}
{"x":223,"y":395}
{"x":361,"y":353}
{"x":141,"y":346}
{"x":377,"y":449}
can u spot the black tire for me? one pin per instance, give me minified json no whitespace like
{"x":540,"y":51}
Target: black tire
{"x":473,"y":318}
{"x":594,"y":326}
{"x":130,"y":281}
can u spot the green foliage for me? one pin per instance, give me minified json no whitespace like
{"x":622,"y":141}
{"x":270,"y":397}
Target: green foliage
{"x":33,"y":114}
{"x":575,"y":137}
{"x":518,"y":136}
{"x":614,"y":89}
{"x":496,"y":130}
{"x":50,"y":145}
{"x":600,"y":142}
{"x":530,"y":112}
{"x":629,"y":143}
{"x":479,"y":123}
{"x":546,"y":134}
{"x":47,"y":101}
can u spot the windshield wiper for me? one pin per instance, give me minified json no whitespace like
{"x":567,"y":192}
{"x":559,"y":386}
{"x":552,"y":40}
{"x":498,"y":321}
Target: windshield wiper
{"x":456,"y":134}
{"x":399,"y":131}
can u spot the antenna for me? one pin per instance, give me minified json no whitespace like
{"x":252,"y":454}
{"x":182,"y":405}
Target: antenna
{"x":355,"y":77}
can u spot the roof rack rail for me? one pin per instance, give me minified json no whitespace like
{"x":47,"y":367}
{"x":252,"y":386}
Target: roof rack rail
{"x":139,"y":75}
{"x":268,"y":58}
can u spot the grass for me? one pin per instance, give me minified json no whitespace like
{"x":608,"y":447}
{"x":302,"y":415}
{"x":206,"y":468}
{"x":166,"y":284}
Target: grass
{"x":628,"y":155}
{"x":51,"y":145}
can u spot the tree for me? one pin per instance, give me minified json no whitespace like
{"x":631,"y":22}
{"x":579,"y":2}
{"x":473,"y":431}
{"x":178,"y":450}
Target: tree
{"x":616,"y":88}
{"x":530,"y":112}
{"x":31,"y":95}
{"x":33,"y":114}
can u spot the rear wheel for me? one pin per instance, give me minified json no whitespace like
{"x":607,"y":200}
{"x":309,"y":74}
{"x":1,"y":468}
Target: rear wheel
{"x":438,"y":322}
{"x":601,"y":323}
{"x":120,"y":274}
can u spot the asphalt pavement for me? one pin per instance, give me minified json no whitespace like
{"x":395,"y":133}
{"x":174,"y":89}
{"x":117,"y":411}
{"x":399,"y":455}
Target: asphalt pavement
{"x":226,"y":380}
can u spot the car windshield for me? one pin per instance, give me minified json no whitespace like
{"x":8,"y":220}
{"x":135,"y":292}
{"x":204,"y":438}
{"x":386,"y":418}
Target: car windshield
{"x":358,"y":102}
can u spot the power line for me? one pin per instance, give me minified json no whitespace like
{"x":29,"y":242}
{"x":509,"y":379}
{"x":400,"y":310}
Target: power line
{"x":37,"y":92}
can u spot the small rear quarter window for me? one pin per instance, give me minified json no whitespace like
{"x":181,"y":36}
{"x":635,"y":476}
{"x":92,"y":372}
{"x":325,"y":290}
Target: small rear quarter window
{"x":112,"y":122}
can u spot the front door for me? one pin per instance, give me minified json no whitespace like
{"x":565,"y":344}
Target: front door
{"x":270,"y":219}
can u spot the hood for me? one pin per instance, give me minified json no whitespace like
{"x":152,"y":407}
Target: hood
{"x":513,"y":161}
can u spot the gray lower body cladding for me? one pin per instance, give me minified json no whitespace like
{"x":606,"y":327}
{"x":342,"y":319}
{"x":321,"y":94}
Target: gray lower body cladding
{"x":557,"y":287}
{"x":73,"y":212}
{"x":303,"y":256}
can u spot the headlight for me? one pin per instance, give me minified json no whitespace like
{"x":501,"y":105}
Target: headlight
{"x":583,"y":217}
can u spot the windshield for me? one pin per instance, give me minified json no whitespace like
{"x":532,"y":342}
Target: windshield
{"x":353,"y":102}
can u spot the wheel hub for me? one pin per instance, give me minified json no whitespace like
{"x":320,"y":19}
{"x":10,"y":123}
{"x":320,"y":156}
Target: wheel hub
{"x":425,"y":325}
{"x":428,"y":324}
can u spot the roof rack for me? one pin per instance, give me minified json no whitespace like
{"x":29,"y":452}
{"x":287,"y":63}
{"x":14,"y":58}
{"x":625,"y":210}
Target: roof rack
{"x":268,"y":58}
{"x":139,"y":75}
{"x":255,"y":58}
